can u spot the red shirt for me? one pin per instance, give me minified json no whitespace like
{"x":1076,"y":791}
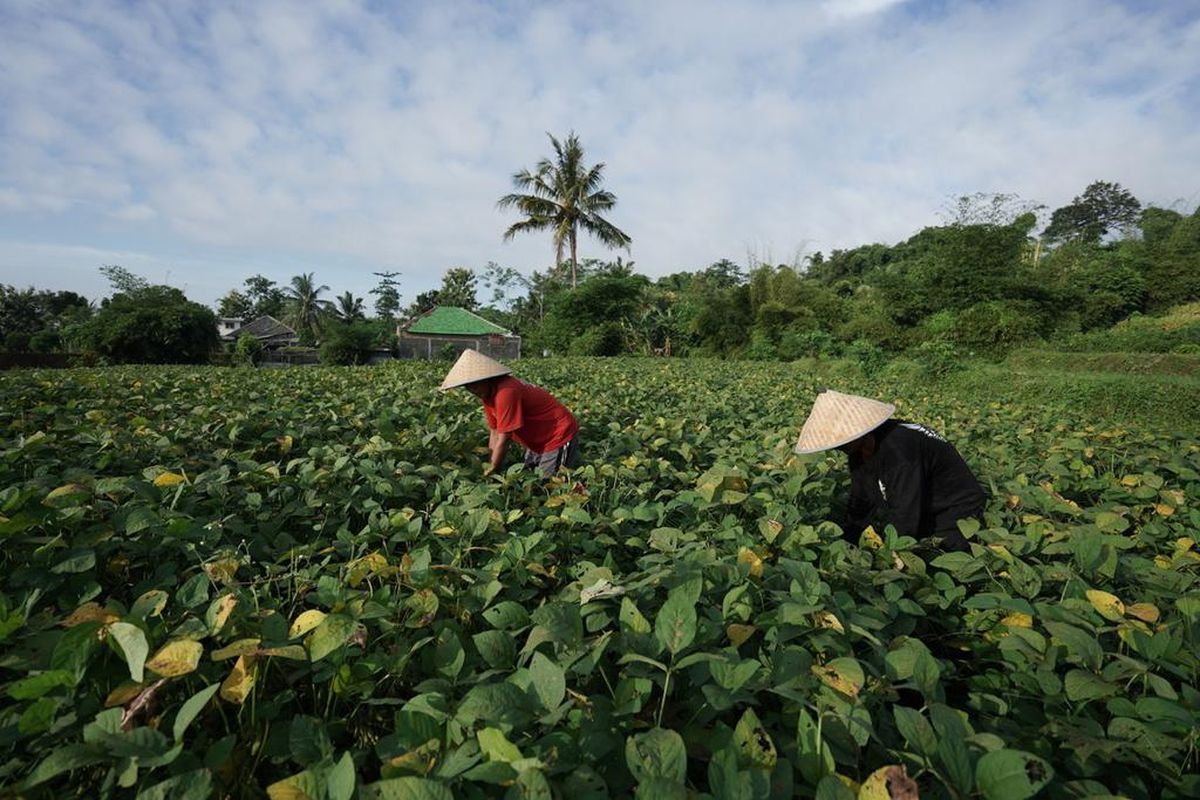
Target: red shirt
{"x":531,"y":414}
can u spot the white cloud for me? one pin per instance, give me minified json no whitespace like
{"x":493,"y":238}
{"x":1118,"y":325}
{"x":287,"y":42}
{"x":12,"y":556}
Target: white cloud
{"x":343,"y":138}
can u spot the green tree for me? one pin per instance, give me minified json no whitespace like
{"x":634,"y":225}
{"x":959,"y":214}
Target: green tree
{"x":563,"y":195}
{"x":122,"y":280}
{"x":236,"y":305}
{"x":153,"y":325}
{"x":349,"y":308}
{"x":267,"y":298}
{"x":306,"y":309}
{"x":458,"y":289}
{"x":1101,"y":208}
{"x":387,"y":295}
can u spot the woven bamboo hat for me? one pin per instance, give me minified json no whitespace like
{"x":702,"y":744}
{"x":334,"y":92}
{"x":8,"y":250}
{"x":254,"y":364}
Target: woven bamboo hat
{"x":473,"y":366}
{"x":837,"y":419}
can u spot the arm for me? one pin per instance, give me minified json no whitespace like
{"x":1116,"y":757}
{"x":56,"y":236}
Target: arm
{"x":905,"y":497}
{"x":499,"y":444}
{"x":859,"y":509}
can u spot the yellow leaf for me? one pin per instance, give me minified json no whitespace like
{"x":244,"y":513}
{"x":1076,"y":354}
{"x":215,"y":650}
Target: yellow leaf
{"x":367,"y":566}
{"x":1107,"y":605}
{"x":1146,"y":612}
{"x":1013,"y":501}
{"x":418,"y":761}
{"x":739,"y":633}
{"x":445,"y":530}
{"x":285,"y":443}
{"x":223,"y":569}
{"x":239,"y":648}
{"x":1017,"y":620}
{"x":1164,"y":510}
{"x":293,"y":651}
{"x":1184,"y":544}
{"x":221,"y":610}
{"x":1130,"y":480}
{"x":870,"y":539}
{"x":306,"y":622}
{"x":297,"y":787}
{"x":236,"y":687}
{"x":166,"y":480}
{"x":843,"y":674}
{"x":889,"y":783}
{"x":1162,"y":562}
{"x":123,"y":694}
{"x":176,"y":658}
{"x":827,"y":620}
{"x":89,"y":612}
{"x":751,"y":558}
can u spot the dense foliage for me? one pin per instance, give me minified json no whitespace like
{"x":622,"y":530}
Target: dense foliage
{"x":151,"y":325}
{"x":220,"y":582}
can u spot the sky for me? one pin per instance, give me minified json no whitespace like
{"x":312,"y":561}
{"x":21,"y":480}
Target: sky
{"x":198,"y":143}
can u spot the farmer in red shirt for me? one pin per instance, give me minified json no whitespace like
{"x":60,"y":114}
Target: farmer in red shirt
{"x":517,"y":410}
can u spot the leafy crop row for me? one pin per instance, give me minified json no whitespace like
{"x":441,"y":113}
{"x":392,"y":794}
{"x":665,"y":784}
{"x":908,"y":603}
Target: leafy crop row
{"x":298,"y":582}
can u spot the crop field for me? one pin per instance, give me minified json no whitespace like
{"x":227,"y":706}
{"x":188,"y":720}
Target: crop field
{"x":299,"y":583}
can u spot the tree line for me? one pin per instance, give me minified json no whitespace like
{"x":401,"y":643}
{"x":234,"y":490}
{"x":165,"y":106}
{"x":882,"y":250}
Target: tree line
{"x":980,"y":282}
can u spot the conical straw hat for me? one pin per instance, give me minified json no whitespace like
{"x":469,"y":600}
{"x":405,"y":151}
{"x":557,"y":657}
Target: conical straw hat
{"x":473,"y":366}
{"x":837,"y":419}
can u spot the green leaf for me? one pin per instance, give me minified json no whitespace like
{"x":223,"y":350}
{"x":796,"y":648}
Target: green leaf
{"x":561,"y":621}
{"x":755,"y":748}
{"x":133,"y":646}
{"x":1080,"y":685}
{"x":497,"y":648}
{"x":65,"y":759}
{"x":657,"y":753}
{"x":406,"y":789}
{"x":916,"y":730}
{"x":194,"y":785}
{"x":632,"y":619}
{"x":75,"y":561}
{"x":675,"y":623}
{"x":339,"y":781}
{"x":496,"y":747}
{"x":307,"y":740}
{"x":38,"y":716}
{"x":35,"y":686}
{"x":1011,"y":775}
{"x":329,"y":636}
{"x":139,"y":519}
{"x":548,"y":681}
{"x":1082,"y":646}
{"x":191,"y":709}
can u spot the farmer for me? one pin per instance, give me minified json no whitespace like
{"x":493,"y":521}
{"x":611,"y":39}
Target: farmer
{"x":517,"y":410}
{"x":907,"y":474}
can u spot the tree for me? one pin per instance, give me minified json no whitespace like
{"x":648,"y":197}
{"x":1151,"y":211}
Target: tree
{"x":987,"y":208}
{"x":236,"y":305}
{"x":153,"y":325}
{"x":563,"y":195}
{"x":458,"y":289}
{"x":267,"y":298}
{"x":349,"y":308}
{"x":123,"y":280}
{"x":1089,"y":217}
{"x":305,"y":306}
{"x":387,"y":295}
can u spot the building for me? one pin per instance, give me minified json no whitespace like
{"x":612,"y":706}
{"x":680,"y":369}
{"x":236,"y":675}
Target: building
{"x":226,"y":326}
{"x":270,"y":332}
{"x":445,"y":331}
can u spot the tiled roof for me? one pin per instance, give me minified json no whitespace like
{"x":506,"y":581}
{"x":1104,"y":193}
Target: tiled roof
{"x":265,"y":327}
{"x":453,"y":321}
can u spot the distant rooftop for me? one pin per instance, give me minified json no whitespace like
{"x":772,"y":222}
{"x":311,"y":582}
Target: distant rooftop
{"x":453,"y":321}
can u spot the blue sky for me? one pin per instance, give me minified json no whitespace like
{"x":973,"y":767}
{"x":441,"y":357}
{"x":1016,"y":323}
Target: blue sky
{"x":199,"y":143}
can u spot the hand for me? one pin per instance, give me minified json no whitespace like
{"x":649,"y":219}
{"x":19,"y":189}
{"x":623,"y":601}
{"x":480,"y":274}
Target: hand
{"x":487,"y":470}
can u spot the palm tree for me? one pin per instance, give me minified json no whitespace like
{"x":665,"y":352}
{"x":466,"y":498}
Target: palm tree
{"x":563,"y":195}
{"x":305,"y":304}
{"x":349,"y":308}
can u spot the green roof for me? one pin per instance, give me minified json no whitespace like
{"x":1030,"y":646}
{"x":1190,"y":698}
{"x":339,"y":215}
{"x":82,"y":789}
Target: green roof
{"x":450,"y":320}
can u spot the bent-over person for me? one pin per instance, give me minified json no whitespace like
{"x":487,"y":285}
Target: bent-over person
{"x":517,"y":410}
{"x":902,"y":472}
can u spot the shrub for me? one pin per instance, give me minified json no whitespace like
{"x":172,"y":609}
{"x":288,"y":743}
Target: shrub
{"x":937,"y":358}
{"x":247,"y":350}
{"x":605,"y":339}
{"x":349,"y":344}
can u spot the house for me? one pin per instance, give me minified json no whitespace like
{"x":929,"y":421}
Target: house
{"x":226,"y":327}
{"x":270,"y":332}
{"x":445,"y":331}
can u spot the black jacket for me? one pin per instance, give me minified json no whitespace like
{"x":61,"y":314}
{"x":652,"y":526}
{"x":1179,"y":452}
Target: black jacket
{"x":915,"y":481}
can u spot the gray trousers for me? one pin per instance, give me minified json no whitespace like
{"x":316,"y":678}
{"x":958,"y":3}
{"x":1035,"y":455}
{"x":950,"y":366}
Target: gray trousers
{"x":549,"y":461}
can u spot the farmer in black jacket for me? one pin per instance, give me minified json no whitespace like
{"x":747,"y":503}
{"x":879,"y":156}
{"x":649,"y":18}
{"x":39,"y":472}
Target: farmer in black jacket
{"x":907,"y":474}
